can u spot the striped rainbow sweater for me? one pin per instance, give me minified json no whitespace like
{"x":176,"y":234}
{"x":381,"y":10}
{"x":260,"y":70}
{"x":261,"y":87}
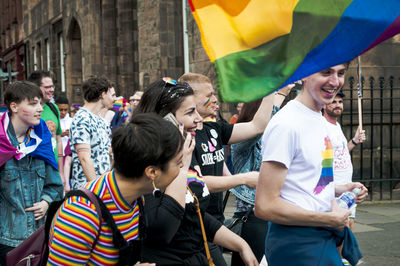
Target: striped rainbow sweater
{"x":76,"y":225}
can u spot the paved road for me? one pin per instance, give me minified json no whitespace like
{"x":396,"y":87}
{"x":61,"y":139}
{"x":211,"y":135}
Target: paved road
{"x":377,"y":229}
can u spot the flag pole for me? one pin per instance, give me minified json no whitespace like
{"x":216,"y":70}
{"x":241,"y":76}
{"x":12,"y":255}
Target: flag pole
{"x":359,"y":93}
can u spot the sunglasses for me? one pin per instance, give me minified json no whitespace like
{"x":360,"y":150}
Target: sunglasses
{"x":175,"y":90}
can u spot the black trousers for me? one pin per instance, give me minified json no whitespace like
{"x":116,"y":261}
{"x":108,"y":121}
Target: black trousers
{"x":216,"y":254}
{"x":3,"y":254}
{"x":254,"y":231}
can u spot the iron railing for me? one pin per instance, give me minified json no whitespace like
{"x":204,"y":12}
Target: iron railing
{"x":376,"y":162}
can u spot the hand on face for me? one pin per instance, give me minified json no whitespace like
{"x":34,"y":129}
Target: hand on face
{"x":187,"y":151}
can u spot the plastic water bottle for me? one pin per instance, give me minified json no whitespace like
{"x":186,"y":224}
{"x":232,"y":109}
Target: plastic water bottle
{"x":347,"y":199}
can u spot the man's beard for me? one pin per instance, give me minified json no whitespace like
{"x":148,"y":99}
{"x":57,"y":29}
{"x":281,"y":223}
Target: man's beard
{"x":333,"y":113}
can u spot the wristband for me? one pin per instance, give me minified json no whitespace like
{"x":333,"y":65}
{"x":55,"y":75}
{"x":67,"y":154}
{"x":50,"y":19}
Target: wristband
{"x":281,"y":94}
{"x":355,"y":143}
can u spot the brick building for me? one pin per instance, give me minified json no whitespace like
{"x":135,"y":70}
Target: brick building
{"x":117,"y":39}
{"x":12,"y":49}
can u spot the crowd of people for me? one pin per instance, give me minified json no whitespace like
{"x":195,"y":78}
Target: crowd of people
{"x":158,"y":165}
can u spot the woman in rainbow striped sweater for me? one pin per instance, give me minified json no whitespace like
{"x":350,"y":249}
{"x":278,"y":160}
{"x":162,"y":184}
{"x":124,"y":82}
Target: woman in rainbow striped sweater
{"x":147,"y":156}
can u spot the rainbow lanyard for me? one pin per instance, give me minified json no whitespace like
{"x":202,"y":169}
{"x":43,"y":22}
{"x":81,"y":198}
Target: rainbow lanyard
{"x":27,"y":137}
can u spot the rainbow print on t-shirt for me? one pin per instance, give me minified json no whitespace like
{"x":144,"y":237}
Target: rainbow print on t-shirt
{"x":192,"y":176}
{"x":327,"y":167}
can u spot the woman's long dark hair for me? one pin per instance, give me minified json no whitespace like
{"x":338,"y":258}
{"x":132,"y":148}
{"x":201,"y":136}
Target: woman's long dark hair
{"x":162,"y":97}
{"x":248,"y":111}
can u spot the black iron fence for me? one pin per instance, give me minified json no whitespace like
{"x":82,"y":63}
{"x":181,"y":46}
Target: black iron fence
{"x":376,"y":162}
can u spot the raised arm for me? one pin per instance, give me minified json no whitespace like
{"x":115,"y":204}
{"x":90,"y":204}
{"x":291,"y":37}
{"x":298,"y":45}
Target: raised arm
{"x":177,"y":188}
{"x":244,"y":131}
{"x":247,"y":130}
{"x":358,"y":137}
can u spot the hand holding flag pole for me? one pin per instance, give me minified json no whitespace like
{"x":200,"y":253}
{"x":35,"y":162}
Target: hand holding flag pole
{"x":359,"y":93}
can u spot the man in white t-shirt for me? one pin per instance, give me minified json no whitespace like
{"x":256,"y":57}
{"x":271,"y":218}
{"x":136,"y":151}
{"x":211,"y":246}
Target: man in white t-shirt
{"x":295,"y":190}
{"x":342,"y":166}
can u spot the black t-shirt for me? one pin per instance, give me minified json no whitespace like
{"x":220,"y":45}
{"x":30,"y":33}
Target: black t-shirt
{"x":174,"y":235}
{"x":209,"y":156}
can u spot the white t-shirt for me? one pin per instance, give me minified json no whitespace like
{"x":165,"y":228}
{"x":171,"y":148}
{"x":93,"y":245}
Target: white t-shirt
{"x":298,"y":138}
{"x":342,"y":166}
{"x":65,"y":124}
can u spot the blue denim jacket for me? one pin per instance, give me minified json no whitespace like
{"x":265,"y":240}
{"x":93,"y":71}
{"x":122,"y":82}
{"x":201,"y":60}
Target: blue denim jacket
{"x":246,"y":157}
{"x":23,"y":183}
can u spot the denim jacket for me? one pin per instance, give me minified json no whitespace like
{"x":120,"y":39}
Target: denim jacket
{"x":246,"y":157}
{"x":22,"y":183}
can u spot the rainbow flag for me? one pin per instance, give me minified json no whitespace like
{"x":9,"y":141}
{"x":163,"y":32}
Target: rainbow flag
{"x":120,"y":102}
{"x":258,"y":46}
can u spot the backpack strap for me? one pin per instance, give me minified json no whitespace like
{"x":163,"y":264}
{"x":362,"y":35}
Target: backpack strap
{"x":53,"y":108}
{"x":95,"y":201}
{"x":119,"y":241}
{"x":55,"y":205}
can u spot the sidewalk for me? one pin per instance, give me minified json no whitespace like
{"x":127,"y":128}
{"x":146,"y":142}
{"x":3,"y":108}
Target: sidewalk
{"x":377,"y":230}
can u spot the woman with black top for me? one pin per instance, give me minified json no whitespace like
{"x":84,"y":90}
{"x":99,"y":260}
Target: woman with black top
{"x":174,"y":233}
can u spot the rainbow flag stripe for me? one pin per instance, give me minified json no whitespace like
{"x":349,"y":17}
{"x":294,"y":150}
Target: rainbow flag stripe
{"x":120,"y":102}
{"x":327,"y":167}
{"x":258,"y":46}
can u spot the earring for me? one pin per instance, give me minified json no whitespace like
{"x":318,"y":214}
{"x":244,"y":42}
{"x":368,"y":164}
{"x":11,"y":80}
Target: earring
{"x":156,"y":191}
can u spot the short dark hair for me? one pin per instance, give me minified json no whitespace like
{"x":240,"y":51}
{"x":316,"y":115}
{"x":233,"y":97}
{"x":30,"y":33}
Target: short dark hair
{"x":62,"y":100}
{"x":146,"y":140}
{"x":37,"y":76}
{"x":162,"y":97}
{"x":94,"y":87}
{"x":21,"y":90}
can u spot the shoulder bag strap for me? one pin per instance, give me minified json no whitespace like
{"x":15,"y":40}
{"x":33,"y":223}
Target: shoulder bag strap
{"x":225,"y":200}
{"x":94,"y":200}
{"x":203,"y":231}
{"x":53,"y":108}
{"x":246,"y":215}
